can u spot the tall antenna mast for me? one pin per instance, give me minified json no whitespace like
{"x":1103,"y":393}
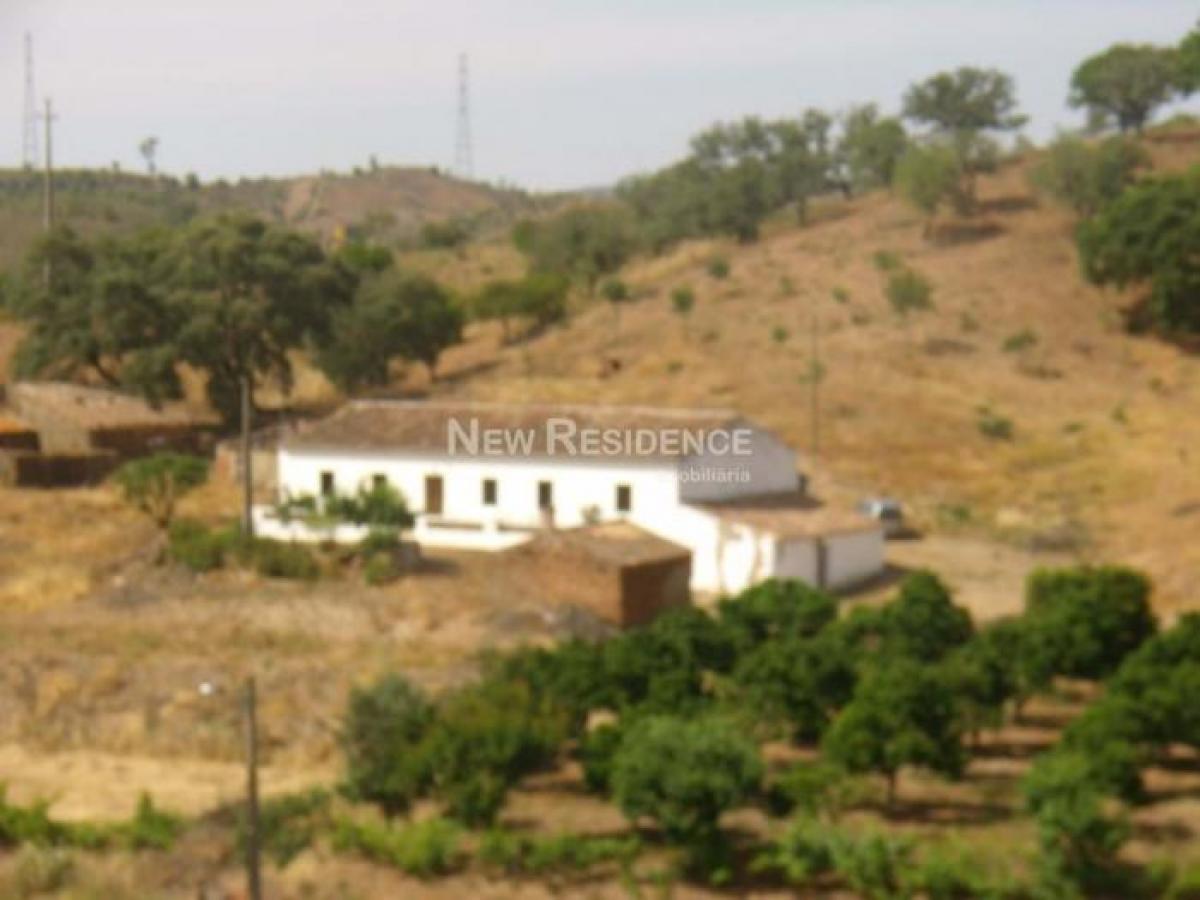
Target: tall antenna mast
{"x":29,"y":147}
{"x":464,"y":163}
{"x":48,"y":182}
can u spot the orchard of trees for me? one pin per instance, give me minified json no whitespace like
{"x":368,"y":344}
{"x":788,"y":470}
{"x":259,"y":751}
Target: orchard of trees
{"x":688,"y":701}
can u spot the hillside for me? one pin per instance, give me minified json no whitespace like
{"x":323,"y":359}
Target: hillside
{"x":1100,"y":460}
{"x":389,"y":203}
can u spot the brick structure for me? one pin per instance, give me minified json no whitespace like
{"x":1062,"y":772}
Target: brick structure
{"x":619,"y":572}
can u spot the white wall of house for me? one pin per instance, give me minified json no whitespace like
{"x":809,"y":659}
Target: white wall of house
{"x":853,"y":557}
{"x":726,"y":556}
{"x":770,"y":467}
{"x":578,"y":485}
{"x":797,"y":558}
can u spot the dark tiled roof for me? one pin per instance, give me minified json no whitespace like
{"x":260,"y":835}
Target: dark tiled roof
{"x":789,"y":515}
{"x":425,"y":426}
{"x":612,"y":543}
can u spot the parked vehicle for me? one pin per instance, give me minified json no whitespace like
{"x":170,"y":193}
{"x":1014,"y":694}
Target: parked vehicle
{"x":887,"y":512}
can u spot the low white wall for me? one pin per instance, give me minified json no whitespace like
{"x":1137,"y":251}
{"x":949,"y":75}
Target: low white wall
{"x":489,"y":537}
{"x":268,"y":525}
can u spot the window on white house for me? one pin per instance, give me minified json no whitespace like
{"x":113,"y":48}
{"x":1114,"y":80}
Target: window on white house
{"x":489,"y":492}
{"x":327,"y":484}
{"x":545,"y":495}
{"x":624,"y":498}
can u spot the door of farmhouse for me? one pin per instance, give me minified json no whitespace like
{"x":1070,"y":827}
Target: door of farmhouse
{"x":433,"y":495}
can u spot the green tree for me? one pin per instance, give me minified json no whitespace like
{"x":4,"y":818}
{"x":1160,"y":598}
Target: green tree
{"x":1095,"y":616}
{"x":584,"y":242}
{"x":923,"y":622}
{"x":1151,"y":233}
{"x":1078,"y":839}
{"x":154,"y":484}
{"x":961,"y":108}
{"x":684,"y":773}
{"x":967,"y":100}
{"x":776,"y":608}
{"x":869,"y":149}
{"x":381,"y":737}
{"x":485,"y":738}
{"x":249,"y":294}
{"x":682,"y":302}
{"x":1088,"y":176}
{"x":797,"y":683}
{"x":927,"y":176}
{"x":1125,"y":84}
{"x":903,"y":714}
{"x":394,"y":315}
{"x":102,"y":312}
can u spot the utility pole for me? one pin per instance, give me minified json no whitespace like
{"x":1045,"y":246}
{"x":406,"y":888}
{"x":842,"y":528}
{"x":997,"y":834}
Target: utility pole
{"x":253,"y":849}
{"x":814,"y":378}
{"x":48,"y":192}
{"x":247,"y":460}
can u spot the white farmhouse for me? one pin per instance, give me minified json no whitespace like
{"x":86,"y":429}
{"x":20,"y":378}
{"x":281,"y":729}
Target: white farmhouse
{"x":489,"y":476}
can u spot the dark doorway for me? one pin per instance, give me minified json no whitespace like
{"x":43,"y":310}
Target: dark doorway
{"x":433,"y":495}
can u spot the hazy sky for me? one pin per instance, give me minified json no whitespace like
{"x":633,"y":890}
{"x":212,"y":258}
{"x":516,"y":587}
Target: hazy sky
{"x":563,"y":94}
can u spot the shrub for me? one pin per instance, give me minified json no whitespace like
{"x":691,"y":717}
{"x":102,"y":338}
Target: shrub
{"x":682,"y":301}
{"x":597,"y":751}
{"x":841,"y":294}
{"x":873,"y":865}
{"x":718,"y":267}
{"x":381,"y":737}
{"x":571,"y":677}
{"x":379,"y":506}
{"x":378,"y":540}
{"x":483,"y":740}
{"x":154,"y":484}
{"x":616,"y":292}
{"x":802,"y":853}
{"x":779,"y":334}
{"x":886,"y":260}
{"x":421,"y":849}
{"x":150,"y":828}
{"x":540,"y":854}
{"x":276,"y":559}
{"x":1019,"y":340}
{"x":380,"y":568}
{"x":995,"y":426}
{"x":909,"y":291}
{"x":1077,"y":839}
{"x":1087,"y":177}
{"x":288,"y":824}
{"x":815,"y":789}
{"x":28,"y":824}
{"x":684,"y":773}
{"x":196,"y":546}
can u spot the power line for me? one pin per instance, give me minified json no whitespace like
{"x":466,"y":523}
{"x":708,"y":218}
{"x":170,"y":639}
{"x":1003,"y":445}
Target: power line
{"x":464,"y":161}
{"x":29,"y":122}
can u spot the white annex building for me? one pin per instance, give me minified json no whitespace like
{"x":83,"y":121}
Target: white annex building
{"x":489,"y":476}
